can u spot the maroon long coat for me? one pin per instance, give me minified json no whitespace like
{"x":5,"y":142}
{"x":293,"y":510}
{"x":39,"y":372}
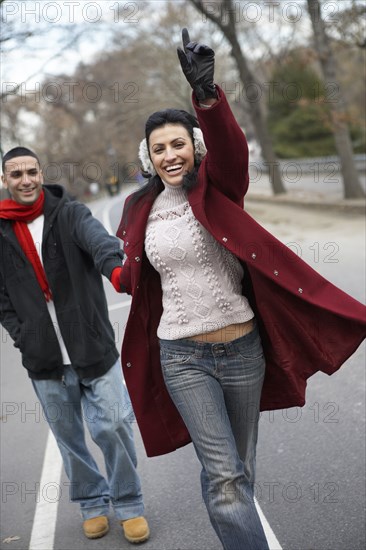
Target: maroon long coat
{"x":306,"y":323}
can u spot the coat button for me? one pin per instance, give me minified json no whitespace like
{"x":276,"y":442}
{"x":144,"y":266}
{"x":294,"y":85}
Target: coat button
{"x":224,"y":239}
{"x":126,"y":243}
{"x":275,"y":272}
{"x":123,"y":232}
{"x":128,"y":365}
{"x":254,"y":255}
{"x":137,"y":258}
{"x":300,"y":290}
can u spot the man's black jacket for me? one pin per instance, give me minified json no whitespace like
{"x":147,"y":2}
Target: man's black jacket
{"x":76,"y":250}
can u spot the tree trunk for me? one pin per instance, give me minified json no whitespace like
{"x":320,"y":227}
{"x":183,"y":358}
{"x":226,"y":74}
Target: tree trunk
{"x":256,"y":114}
{"x":351,"y":183}
{"x":251,"y":87}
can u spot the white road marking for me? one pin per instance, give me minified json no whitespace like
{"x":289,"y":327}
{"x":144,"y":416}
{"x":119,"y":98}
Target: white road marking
{"x":119,"y":306}
{"x":270,"y":536}
{"x":44,"y":523}
{"x":105,"y":219}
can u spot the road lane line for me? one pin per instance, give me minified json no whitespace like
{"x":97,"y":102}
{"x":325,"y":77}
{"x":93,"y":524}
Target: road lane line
{"x":118,"y":306}
{"x":44,"y":523}
{"x":105,"y":219}
{"x":271,"y":537}
{"x":118,"y":199}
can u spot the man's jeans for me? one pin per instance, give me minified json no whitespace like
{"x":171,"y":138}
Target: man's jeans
{"x":104,"y":404}
{"x":216,"y":388}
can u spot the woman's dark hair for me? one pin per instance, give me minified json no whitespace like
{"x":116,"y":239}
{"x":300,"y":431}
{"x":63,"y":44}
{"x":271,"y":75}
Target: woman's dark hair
{"x":170,"y":116}
{"x":158,"y":119}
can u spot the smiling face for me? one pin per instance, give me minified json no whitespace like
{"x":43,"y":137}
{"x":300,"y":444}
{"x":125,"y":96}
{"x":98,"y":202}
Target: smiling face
{"x":23,"y":179}
{"x":172,"y":153}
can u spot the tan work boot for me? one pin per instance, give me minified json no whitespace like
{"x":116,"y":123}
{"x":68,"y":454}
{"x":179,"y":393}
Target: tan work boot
{"x":95,"y":528}
{"x":136,"y":529}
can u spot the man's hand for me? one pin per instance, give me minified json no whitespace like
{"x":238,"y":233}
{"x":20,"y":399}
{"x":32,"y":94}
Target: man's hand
{"x":198,"y":64}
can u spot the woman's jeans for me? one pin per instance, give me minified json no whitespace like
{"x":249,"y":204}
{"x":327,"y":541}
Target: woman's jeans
{"x":104,"y":404}
{"x":216,"y":389}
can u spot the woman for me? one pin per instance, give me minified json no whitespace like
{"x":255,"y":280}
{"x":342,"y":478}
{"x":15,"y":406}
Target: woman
{"x":210,"y":287}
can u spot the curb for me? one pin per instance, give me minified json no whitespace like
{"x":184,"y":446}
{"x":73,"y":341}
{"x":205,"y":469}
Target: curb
{"x":346,"y":206}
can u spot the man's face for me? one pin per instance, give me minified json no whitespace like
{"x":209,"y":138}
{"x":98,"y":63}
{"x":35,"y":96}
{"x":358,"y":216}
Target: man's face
{"x":23,"y":179}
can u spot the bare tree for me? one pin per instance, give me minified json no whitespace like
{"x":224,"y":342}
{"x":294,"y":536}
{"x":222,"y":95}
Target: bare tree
{"x":247,"y":78}
{"x":350,"y":25}
{"x":351,"y":182}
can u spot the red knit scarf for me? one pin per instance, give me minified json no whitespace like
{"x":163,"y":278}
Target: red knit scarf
{"x":20,"y":214}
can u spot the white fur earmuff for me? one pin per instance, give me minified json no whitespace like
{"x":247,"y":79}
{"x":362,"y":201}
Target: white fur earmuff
{"x":199,"y":144}
{"x":144,"y":156}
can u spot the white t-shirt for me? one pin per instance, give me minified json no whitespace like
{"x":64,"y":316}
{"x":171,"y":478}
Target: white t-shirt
{"x":36,"y":229}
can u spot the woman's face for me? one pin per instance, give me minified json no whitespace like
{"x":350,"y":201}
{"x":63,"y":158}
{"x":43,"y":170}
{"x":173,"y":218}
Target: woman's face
{"x":172,"y":153}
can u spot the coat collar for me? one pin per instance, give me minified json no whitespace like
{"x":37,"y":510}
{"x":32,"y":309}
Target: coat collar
{"x":132,"y":229}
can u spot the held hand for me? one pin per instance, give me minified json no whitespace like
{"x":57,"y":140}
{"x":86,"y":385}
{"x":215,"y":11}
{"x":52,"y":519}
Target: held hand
{"x":115,"y":278}
{"x":198,"y":64}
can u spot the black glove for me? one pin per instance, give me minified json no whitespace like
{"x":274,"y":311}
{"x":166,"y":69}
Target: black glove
{"x":198,"y":63}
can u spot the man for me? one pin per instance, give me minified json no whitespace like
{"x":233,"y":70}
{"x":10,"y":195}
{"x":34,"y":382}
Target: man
{"x":53,"y":305}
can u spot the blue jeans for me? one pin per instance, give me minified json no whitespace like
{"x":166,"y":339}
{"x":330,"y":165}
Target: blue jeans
{"x":216,"y":388}
{"x":104,"y":404}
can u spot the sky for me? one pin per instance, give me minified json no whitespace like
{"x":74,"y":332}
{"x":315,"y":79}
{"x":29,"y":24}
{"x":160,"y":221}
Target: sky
{"x":54,"y":21}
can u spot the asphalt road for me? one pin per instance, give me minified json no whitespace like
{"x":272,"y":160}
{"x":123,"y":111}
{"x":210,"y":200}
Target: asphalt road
{"x":310,"y":461}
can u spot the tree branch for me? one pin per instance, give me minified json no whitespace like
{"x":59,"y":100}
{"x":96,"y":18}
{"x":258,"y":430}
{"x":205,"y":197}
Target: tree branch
{"x":198,"y":4}
{"x":52,"y":58}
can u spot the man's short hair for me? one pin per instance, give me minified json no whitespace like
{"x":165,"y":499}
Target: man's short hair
{"x":17,"y":152}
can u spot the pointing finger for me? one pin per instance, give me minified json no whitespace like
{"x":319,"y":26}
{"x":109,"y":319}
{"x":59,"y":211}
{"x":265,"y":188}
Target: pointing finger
{"x":185,"y":38}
